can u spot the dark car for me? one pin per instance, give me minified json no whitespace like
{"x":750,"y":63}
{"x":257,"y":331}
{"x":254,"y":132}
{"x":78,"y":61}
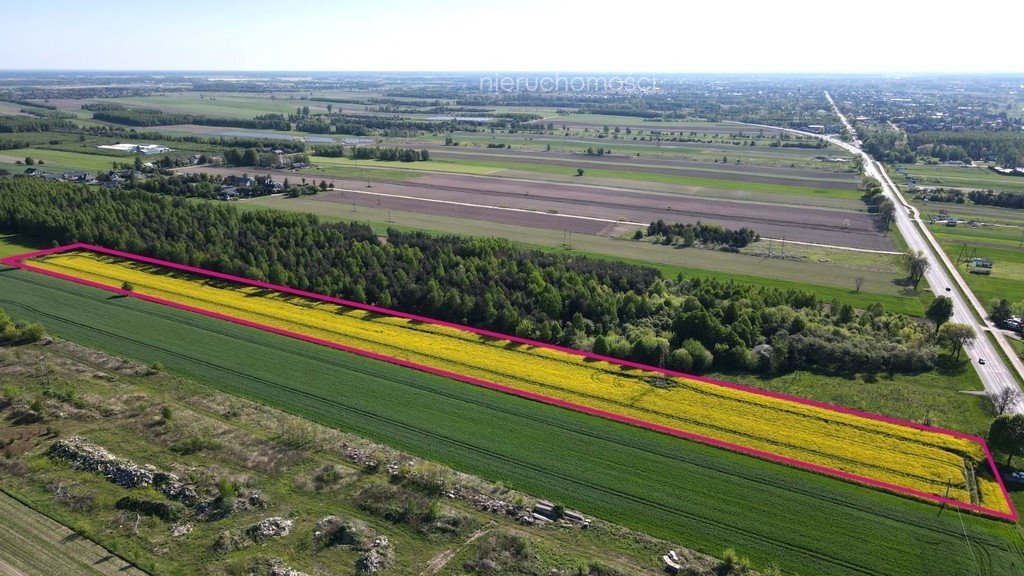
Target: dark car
{"x":981,"y":360}
{"x":948,"y":289}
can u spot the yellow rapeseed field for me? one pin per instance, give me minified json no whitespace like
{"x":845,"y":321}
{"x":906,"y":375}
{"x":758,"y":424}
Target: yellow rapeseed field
{"x":900,"y":455}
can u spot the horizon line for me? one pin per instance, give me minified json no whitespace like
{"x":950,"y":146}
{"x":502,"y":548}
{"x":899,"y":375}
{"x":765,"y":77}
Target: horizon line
{"x":1003,"y":72}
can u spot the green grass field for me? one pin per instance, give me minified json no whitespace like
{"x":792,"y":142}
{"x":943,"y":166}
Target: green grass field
{"x":450,"y":166}
{"x":969,"y":177}
{"x":33,"y":544}
{"x":996,"y":244}
{"x":57,"y":160}
{"x":11,"y":244}
{"x":705,"y":498}
{"x":223,"y":105}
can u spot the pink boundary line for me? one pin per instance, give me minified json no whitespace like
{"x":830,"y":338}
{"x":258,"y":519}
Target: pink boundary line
{"x":18,"y":262}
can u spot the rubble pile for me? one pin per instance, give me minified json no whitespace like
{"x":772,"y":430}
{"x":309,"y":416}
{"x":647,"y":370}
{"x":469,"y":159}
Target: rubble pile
{"x":335,"y":531}
{"x":273,"y":527}
{"x":85,"y":456}
{"x":279,"y":568}
{"x":377,"y":557}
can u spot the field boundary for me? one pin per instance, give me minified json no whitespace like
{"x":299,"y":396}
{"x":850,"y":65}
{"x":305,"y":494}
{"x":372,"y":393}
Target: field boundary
{"x":19,"y":261}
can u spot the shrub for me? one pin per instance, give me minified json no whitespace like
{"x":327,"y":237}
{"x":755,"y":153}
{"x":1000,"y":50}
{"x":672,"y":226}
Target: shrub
{"x":166,"y":511}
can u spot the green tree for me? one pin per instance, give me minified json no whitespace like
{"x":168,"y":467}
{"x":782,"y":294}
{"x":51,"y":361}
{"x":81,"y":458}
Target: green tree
{"x":940,"y":311}
{"x":1001,"y":312}
{"x":579,"y":171}
{"x":1006,"y":434}
{"x":886,"y":214}
{"x":916,"y":264}
{"x":956,"y":336}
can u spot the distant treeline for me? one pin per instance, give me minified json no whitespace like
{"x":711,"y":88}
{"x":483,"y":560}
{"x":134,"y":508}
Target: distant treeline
{"x":1003,"y":147}
{"x":30,"y":103}
{"x":887,"y":146}
{"x":257,"y":157}
{"x":393,"y":154}
{"x":13,"y":124}
{"x":329,"y":151}
{"x":812,"y":143}
{"x":145,"y":117}
{"x":13,"y":144}
{"x":951,"y":195}
{"x":993,"y":198}
{"x":1000,"y":199}
{"x":615,"y":308}
{"x":634,"y":112}
{"x":103,"y":106}
{"x":52,"y":114}
{"x":689,"y":234}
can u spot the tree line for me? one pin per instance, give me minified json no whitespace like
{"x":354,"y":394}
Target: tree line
{"x":1004,"y":147}
{"x":390,"y":154}
{"x":993,"y":198}
{"x":689,"y":234}
{"x":15,"y":124}
{"x":146,"y":117}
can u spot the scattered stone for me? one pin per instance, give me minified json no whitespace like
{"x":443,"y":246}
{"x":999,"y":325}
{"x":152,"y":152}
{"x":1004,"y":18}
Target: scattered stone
{"x":179,"y":530}
{"x":273,"y":527}
{"x":279,"y":568}
{"x":85,"y":456}
{"x":365,"y":458}
{"x":379,"y":556}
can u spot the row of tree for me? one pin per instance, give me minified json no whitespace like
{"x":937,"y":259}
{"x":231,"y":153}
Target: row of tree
{"x":878,"y":203}
{"x":14,"y":124}
{"x":389,"y":154}
{"x":146,"y":117}
{"x":992,"y":198}
{"x":1004,"y":147}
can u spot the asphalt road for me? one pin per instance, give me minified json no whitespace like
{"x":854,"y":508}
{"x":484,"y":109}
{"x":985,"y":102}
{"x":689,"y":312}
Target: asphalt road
{"x":942,"y":274}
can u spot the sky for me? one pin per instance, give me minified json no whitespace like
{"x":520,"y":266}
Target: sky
{"x":627,"y":36}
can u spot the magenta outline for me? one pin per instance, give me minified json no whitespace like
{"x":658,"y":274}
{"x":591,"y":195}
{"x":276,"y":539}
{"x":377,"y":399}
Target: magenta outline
{"x":18,"y":262}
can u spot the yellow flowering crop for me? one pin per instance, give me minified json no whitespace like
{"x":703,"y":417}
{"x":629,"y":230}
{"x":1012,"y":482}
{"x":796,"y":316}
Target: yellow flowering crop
{"x":916,"y":459}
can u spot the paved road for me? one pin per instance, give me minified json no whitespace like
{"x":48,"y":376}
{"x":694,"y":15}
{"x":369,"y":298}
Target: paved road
{"x":995,"y":374}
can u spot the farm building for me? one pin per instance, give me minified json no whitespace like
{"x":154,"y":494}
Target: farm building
{"x":979,"y":266}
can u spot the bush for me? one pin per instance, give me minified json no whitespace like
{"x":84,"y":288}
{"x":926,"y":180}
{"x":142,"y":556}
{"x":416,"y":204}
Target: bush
{"x":195,"y":444}
{"x":166,"y":511}
{"x":503,"y":553}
